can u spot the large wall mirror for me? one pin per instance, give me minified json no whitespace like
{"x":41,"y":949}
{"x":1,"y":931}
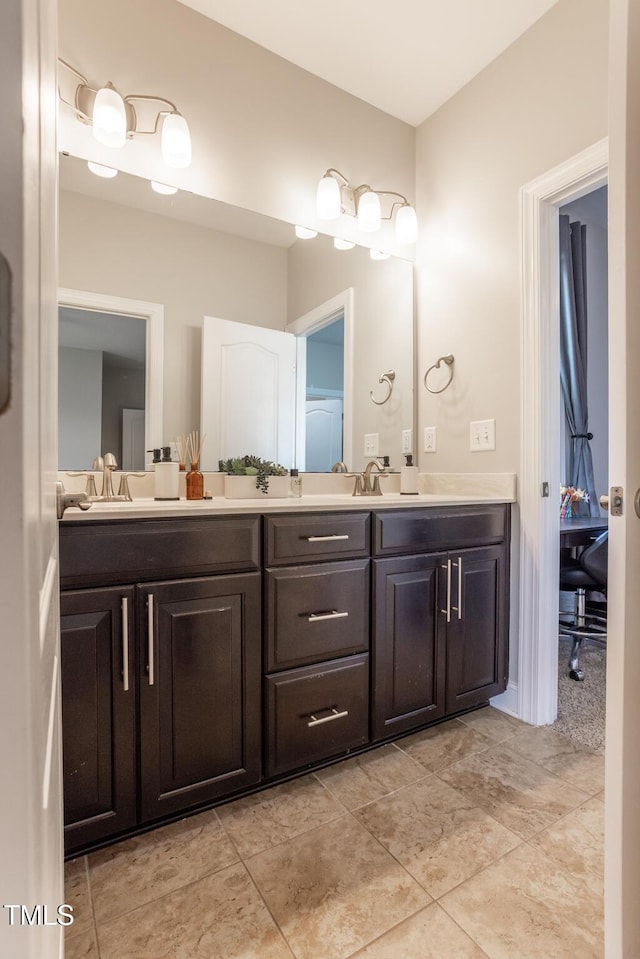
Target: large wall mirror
{"x":351,"y":319}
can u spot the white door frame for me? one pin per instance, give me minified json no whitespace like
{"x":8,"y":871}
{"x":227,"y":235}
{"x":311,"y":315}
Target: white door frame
{"x":303,"y":326}
{"x":540,"y":201}
{"x":153,"y":313}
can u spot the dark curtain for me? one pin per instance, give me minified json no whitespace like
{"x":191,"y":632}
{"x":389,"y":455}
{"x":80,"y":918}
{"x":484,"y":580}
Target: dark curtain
{"x":573,"y":359}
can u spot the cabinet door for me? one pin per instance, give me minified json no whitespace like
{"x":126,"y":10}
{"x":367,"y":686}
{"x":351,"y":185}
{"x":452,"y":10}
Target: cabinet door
{"x":478,"y":627}
{"x":408,"y":647}
{"x":98,"y":714}
{"x":199,"y":690}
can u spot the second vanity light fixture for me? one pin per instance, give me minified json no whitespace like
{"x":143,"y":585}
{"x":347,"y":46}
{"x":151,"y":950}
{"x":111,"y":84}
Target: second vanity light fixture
{"x":336,"y":196}
{"x":113,"y":118}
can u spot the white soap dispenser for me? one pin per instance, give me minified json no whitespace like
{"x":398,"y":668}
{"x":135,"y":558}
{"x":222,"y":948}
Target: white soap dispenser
{"x":409,"y":477}
{"x":166,"y":475}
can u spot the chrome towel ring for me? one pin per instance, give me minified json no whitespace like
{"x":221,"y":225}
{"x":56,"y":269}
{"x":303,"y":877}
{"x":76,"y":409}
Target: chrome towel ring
{"x":448,"y":359}
{"x":387,"y":378}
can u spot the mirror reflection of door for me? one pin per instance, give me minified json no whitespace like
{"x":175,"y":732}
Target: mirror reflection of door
{"x":324,"y":397}
{"x":101,"y":374}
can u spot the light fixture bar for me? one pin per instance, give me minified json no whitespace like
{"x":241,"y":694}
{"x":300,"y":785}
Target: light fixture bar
{"x":109,"y":113}
{"x":336,"y":196}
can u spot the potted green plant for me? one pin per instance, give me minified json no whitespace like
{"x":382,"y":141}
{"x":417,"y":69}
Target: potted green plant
{"x":252,"y":466}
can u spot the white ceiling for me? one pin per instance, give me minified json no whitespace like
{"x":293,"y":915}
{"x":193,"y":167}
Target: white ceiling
{"x":406,"y":58}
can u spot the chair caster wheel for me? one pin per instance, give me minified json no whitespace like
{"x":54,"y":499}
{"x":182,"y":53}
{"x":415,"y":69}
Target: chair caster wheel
{"x":577,"y":674}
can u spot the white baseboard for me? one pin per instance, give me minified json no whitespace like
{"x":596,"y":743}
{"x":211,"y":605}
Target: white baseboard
{"x":508,"y":701}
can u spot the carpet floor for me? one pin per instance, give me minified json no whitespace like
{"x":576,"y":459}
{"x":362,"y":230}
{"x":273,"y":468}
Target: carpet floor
{"x":581,"y":706}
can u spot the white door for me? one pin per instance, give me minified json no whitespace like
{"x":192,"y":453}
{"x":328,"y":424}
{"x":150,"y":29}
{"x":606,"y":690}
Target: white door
{"x":622,"y":829}
{"x":31,"y":794}
{"x":323,"y":434}
{"x":248,"y":393}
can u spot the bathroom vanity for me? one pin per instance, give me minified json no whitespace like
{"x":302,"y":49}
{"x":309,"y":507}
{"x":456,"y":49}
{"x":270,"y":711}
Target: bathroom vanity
{"x":209,"y":654}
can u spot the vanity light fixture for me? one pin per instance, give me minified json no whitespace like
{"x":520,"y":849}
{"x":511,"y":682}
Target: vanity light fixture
{"x":304,"y":233}
{"x":163,"y":188}
{"x":378,"y":255}
{"x":100,"y":170}
{"x":113,"y":118}
{"x":341,"y":244}
{"x":335,"y":196}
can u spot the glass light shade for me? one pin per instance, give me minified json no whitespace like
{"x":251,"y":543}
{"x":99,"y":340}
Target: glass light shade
{"x":176,"y":141}
{"x":109,"y":121}
{"x":104,"y":171}
{"x":343,"y":244}
{"x":328,"y":203}
{"x":163,"y":188}
{"x":369,"y":212}
{"x":304,"y":233}
{"x":406,"y":225}
{"x":378,"y":255}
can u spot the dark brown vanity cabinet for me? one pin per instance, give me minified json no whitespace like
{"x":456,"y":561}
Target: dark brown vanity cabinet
{"x":181,"y":724}
{"x":317,"y":638}
{"x":441,"y":615}
{"x":98,"y":713}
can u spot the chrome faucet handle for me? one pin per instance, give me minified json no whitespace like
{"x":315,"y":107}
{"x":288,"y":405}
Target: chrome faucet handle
{"x":123,"y":489}
{"x":358,"y":488}
{"x":64,"y":500}
{"x":375,"y":488}
{"x":90,"y":488}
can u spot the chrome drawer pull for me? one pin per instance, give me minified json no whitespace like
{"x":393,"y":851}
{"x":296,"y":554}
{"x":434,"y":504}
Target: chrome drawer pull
{"x":334,"y":614}
{"x":125,"y":644}
{"x":327,"y":539}
{"x":447,"y":611}
{"x":327,"y":719}
{"x":150,"y":668}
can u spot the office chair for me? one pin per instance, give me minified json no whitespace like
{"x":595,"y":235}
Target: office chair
{"x":588,"y":620}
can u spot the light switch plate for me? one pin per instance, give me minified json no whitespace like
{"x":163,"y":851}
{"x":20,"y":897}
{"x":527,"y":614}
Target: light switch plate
{"x":482,"y":435}
{"x":429,"y":444}
{"x":407,"y":441}
{"x":371,"y":444}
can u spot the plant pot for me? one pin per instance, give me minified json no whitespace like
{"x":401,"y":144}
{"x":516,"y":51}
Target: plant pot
{"x":244,"y":487}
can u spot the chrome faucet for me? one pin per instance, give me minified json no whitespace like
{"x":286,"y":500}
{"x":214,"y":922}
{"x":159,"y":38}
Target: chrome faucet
{"x":372,"y":488}
{"x":340,"y":467}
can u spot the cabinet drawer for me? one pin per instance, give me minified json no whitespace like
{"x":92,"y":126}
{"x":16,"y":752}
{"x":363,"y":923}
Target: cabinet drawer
{"x":94,"y":554}
{"x":316,"y":612}
{"x":317,"y":712}
{"x":438,"y":528}
{"x":312,"y":537}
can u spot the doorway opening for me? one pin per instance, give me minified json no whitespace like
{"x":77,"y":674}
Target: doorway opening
{"x":533,"y":688}
{"x":583,"y":457}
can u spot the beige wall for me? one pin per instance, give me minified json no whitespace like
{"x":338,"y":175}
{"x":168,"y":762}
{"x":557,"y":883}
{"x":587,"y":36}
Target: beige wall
{"x":192,"y":271}
{"x":263,"y":130}
{"x":383,"y":332}
{"x":541,"y":102}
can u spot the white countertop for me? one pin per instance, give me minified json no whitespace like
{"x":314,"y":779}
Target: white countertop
{"x":147,"y":508}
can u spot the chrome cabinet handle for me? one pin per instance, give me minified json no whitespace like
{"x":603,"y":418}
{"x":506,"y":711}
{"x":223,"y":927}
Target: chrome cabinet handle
{"x":125,"y":644}
{"x":327,"y":539}
{"x":335,"y":714}
{"x":458,"y":608}
{"x":447,"y":611}
{"x":334,"y":614}
{"x":150,"y":660}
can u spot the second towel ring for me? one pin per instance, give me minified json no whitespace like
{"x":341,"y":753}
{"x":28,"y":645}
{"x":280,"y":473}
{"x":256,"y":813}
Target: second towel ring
{"x":387,"y":378}
{"x":448,"y":359}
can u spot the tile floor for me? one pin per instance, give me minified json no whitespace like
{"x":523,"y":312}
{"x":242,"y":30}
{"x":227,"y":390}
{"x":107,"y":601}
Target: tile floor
{"x":482,"y":837}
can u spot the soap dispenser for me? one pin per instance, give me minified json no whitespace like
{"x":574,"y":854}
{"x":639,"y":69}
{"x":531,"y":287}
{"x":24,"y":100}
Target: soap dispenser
{"x":166,"y":475}
{"x":409,"y":477}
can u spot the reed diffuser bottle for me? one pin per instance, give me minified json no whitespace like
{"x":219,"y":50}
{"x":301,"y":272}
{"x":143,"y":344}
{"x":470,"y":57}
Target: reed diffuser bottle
{"x":194,"y":478}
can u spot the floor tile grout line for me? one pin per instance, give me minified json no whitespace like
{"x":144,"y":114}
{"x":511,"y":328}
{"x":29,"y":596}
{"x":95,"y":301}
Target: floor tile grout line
{"x":169,"y":892}
{"x":268,"y":908}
